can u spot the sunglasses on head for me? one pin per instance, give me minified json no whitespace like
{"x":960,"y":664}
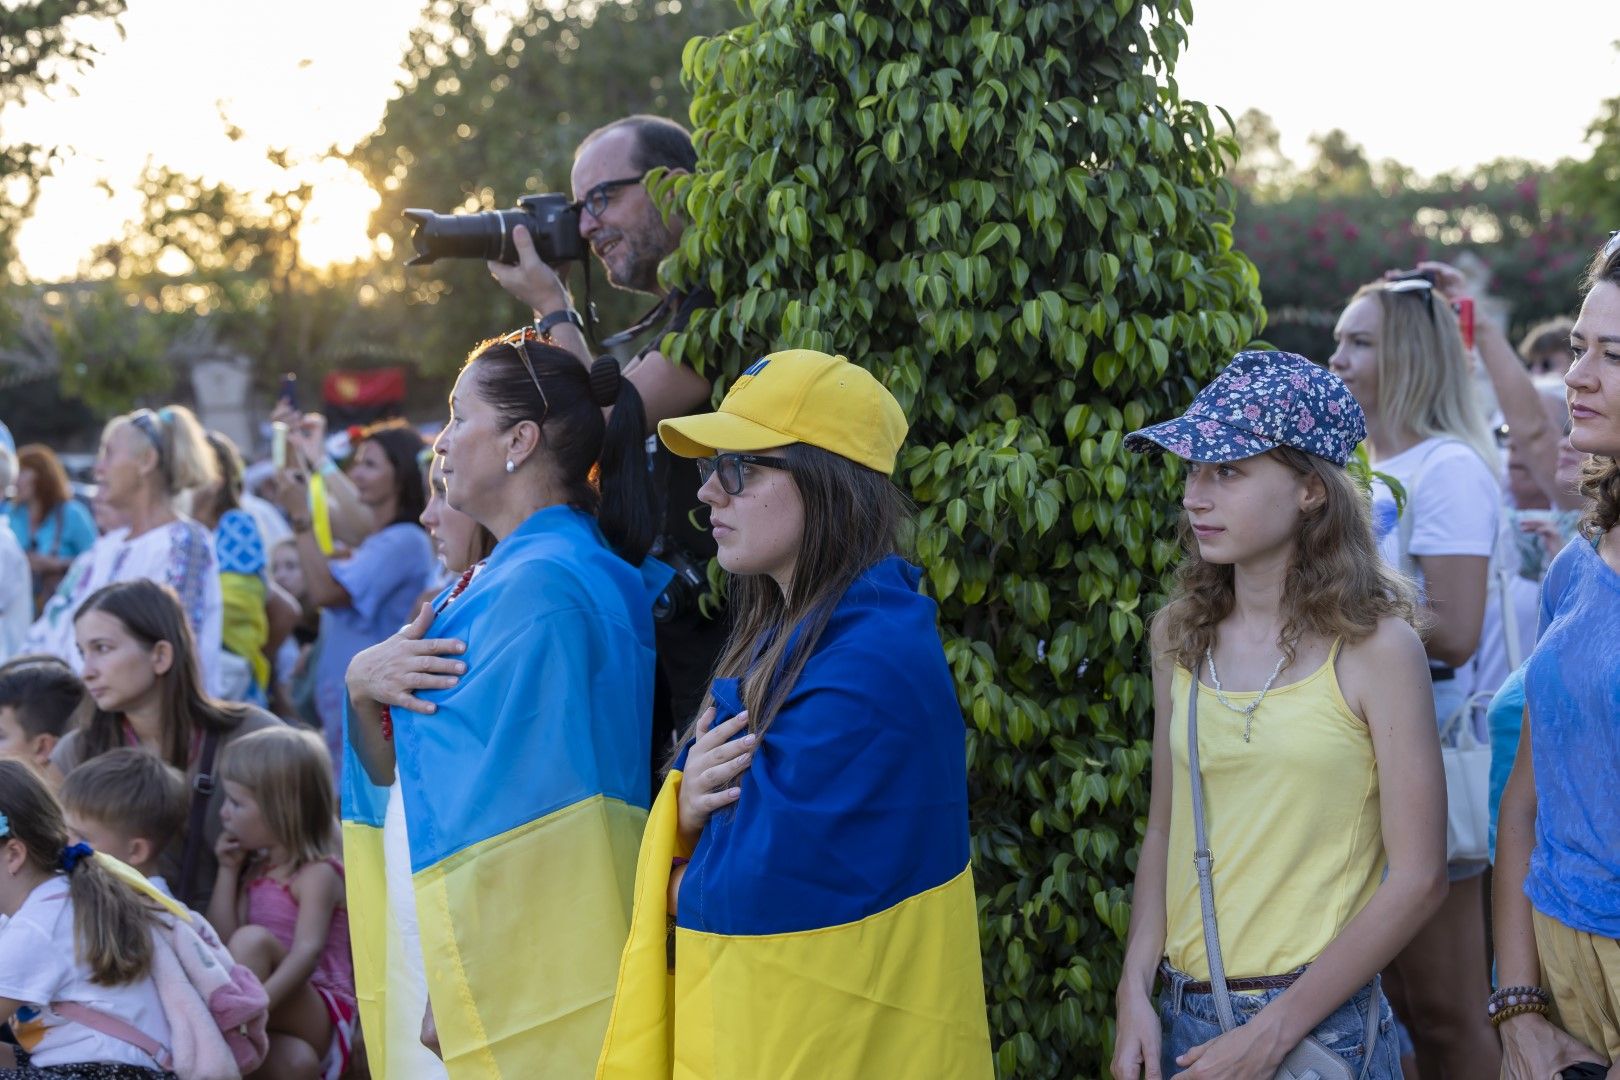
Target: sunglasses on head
{"x":1612,"y":245}
{"x":516,"y":339}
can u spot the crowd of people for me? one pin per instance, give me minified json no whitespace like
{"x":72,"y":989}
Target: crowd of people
{"x":434,"y":751}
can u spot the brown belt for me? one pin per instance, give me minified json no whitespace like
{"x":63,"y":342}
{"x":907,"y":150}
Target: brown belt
{"x":1238,"y":986}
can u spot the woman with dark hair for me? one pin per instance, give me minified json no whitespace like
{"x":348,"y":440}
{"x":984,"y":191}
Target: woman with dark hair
{"x":1557,"y":892}
{"x":366,"y":597}
{"x":810,"y":843}
{"x":140,"y":668}
{"x":515,"y":713}
{"x":148,"y":460}
{"x":52,"y":527}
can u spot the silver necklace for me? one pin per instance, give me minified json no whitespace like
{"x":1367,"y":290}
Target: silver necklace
{"x":1247,"y":711}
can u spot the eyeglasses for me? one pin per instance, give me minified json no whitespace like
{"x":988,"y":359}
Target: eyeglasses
{"x":730,"y":469}
{"x":1414,"y":285}
{"x":516,"y":339}
{"x":596,"y":200}
{"x":1612,"y":246}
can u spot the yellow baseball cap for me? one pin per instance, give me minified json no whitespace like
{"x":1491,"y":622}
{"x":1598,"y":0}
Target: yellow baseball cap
{"x":798,"y":396}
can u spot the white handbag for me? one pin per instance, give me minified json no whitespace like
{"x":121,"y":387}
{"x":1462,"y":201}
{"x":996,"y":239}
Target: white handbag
{"x":1467,"y":761}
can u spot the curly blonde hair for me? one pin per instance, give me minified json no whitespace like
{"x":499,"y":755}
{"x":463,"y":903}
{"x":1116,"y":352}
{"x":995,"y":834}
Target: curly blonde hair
{"x":1337,"y":585}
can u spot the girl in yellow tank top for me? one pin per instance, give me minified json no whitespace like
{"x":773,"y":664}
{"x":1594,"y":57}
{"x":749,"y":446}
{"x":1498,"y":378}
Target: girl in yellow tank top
{"x":1316,"y":742}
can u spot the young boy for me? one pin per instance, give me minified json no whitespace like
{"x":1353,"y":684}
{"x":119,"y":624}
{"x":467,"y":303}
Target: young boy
{"x":40,"y":698}
{"x":129,"y":804}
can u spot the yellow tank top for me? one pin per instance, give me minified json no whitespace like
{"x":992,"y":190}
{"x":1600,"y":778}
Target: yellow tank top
{"x":1293,"y":825}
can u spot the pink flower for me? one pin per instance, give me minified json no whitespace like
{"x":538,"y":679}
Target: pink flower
{"x":1251,"y":412}
{"x":1305,"y":423}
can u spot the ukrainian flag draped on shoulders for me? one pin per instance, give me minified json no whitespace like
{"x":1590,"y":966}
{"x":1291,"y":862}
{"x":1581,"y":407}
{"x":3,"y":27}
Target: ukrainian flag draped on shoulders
{"x":826,"y":923}
{"x":525,"y":795}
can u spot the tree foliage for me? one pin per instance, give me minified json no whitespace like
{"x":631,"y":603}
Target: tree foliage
{"x":1007,"y":211}
{"x":41,"y":45}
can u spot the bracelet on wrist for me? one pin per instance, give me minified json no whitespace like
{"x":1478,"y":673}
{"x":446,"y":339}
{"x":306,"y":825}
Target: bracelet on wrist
{"x":1510,"y":1001}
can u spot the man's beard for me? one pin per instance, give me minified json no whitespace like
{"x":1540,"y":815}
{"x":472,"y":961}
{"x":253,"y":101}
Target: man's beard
{"x":634,"y":265}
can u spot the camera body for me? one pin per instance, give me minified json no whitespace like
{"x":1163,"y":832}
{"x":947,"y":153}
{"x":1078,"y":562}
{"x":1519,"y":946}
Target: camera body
{"x":685,"y":590}
{"x":552,"y":220}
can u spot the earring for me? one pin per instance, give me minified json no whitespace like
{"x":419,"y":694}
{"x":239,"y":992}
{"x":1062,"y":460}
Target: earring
{"x":509,"y":465}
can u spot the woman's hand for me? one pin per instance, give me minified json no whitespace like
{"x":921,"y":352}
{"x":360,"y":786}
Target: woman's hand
{"x":228,"y":852}
{"x":391,"y":671}
{"x":1545,"y":531}
{"x":292,"y":493}
{"x":1249,"y":1052}
{"x":708,"y":783}
{"x":1448,"y":280}
{"x":1534,"y":1048}
{"x":1136,"y":1040}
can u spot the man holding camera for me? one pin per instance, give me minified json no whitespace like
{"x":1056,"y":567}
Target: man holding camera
{"x":628,"y":233}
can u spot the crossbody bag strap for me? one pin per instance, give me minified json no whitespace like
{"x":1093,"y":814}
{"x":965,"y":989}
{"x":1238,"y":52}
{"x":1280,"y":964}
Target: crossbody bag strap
{"x":1204,"y":861}
{"x":202,"y":789}
{"x":114,"y":1028}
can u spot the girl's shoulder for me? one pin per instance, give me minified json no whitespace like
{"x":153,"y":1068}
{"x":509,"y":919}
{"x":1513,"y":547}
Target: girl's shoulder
{"x":322,"y":878}
{"x":1393,"y":651}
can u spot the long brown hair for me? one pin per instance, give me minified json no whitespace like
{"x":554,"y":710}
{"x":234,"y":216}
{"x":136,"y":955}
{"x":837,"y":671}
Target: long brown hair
{"x":112,"y":924}
{"x":51,"y":487}
{"x":853,"y":517}
{"x":152,"y":613}
{"x":1600,"y":477}
{"x":1337,"y":585}
{"x":289,"y":771}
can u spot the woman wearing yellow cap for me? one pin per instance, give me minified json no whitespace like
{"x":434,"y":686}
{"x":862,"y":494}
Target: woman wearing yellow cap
{"x":805,"y":868}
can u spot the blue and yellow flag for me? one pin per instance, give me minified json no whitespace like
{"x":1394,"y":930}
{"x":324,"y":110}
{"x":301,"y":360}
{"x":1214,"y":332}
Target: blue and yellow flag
{"x":826,"y":926}
{"x":525,"y":794}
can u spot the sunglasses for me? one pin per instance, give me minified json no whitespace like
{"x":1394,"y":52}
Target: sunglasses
{"x":1612,"y":245}
{"x":596,"y":200}
{"x":730,"y":469}
{"x":1414,"y":285}
{"x":516,"y":339}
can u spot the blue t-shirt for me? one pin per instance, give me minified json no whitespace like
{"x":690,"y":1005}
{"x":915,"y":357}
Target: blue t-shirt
{"x":1572,"y":684}
{"x":1505,"y":719}
{"x":67,"y":532}
{"x":383,"y":578}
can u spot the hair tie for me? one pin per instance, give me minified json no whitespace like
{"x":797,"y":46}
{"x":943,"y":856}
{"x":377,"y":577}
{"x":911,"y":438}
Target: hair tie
{"x":74,"y":854}
{"x":606,"y":379}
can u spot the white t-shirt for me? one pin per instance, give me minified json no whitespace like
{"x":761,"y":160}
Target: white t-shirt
{"x":16,"y":593}
{"x":1452,"y":495}
{"x":37,"y":967}
{"x":179,"y":554}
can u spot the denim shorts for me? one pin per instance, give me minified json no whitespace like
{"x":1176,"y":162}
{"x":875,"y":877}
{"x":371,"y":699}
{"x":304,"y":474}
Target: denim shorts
{"x":1189,"y":1020}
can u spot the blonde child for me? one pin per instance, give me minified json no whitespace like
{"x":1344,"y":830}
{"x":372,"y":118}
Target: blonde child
{"x":278,"y":897}
{"x":74,"y":933}
{"x":127,"y":803}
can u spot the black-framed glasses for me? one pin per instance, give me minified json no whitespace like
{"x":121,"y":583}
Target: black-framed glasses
{"x":516,"y":339}
{"x":729,"y":467}
{"x":596,"y":200}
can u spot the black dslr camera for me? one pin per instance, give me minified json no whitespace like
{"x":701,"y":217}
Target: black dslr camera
{"x":551,"y":219}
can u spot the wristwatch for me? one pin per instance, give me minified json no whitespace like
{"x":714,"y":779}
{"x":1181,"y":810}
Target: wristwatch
{"x":544,"y":324}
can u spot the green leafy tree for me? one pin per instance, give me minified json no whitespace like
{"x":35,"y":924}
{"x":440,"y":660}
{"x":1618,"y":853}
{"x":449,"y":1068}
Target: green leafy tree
{"x":1009,"y":213}
{"x":1592,"y":187}
{"x":489,"y":111}
{"x":41,"y":45}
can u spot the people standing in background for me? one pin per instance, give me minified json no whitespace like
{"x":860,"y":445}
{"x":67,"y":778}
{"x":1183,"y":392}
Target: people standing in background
{"x":367,"y":596}
{"x":1545,"y":349}
{"x":1400,"y":351}
{"x":16,"y":592}
{"x":52,"y":526}
{"x":147,"y":460}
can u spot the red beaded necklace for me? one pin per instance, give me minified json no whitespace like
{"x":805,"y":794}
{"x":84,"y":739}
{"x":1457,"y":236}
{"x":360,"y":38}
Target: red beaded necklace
{"x":386,"y":721}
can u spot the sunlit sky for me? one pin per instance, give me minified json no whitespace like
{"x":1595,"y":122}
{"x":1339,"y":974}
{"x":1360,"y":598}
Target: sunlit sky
{"x":1434,"y":85}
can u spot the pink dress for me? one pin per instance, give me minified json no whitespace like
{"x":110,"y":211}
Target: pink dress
{"x":270,"y":904}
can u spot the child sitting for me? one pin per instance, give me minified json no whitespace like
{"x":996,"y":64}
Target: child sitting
{"x":75,"y":933}
{"x":278,"y":897}
{"x":39,"y":699}
{"x":129,"y":804}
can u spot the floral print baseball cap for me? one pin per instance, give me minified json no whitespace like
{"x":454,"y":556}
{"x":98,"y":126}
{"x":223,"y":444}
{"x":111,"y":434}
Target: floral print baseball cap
{"x":1262,"y":400}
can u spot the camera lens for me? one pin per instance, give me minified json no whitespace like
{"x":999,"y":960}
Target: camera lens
{"x":462,"y":236}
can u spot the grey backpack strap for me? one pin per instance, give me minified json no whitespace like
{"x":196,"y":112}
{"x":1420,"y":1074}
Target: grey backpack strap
{"x":1203,"y":860}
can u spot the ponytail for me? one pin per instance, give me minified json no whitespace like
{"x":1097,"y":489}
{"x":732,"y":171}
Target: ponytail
{"x":112,"y":926}
{"x":623,"y":476}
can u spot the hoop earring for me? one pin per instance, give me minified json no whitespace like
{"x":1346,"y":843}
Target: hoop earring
{"x":509,"y":465}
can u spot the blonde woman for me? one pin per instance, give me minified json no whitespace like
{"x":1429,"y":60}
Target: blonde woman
{"x":148,"y":458}
{"x":1401,"y":353}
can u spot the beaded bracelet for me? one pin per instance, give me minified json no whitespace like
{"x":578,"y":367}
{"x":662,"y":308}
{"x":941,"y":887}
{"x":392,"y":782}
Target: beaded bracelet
{"x":1512,"y":1001}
